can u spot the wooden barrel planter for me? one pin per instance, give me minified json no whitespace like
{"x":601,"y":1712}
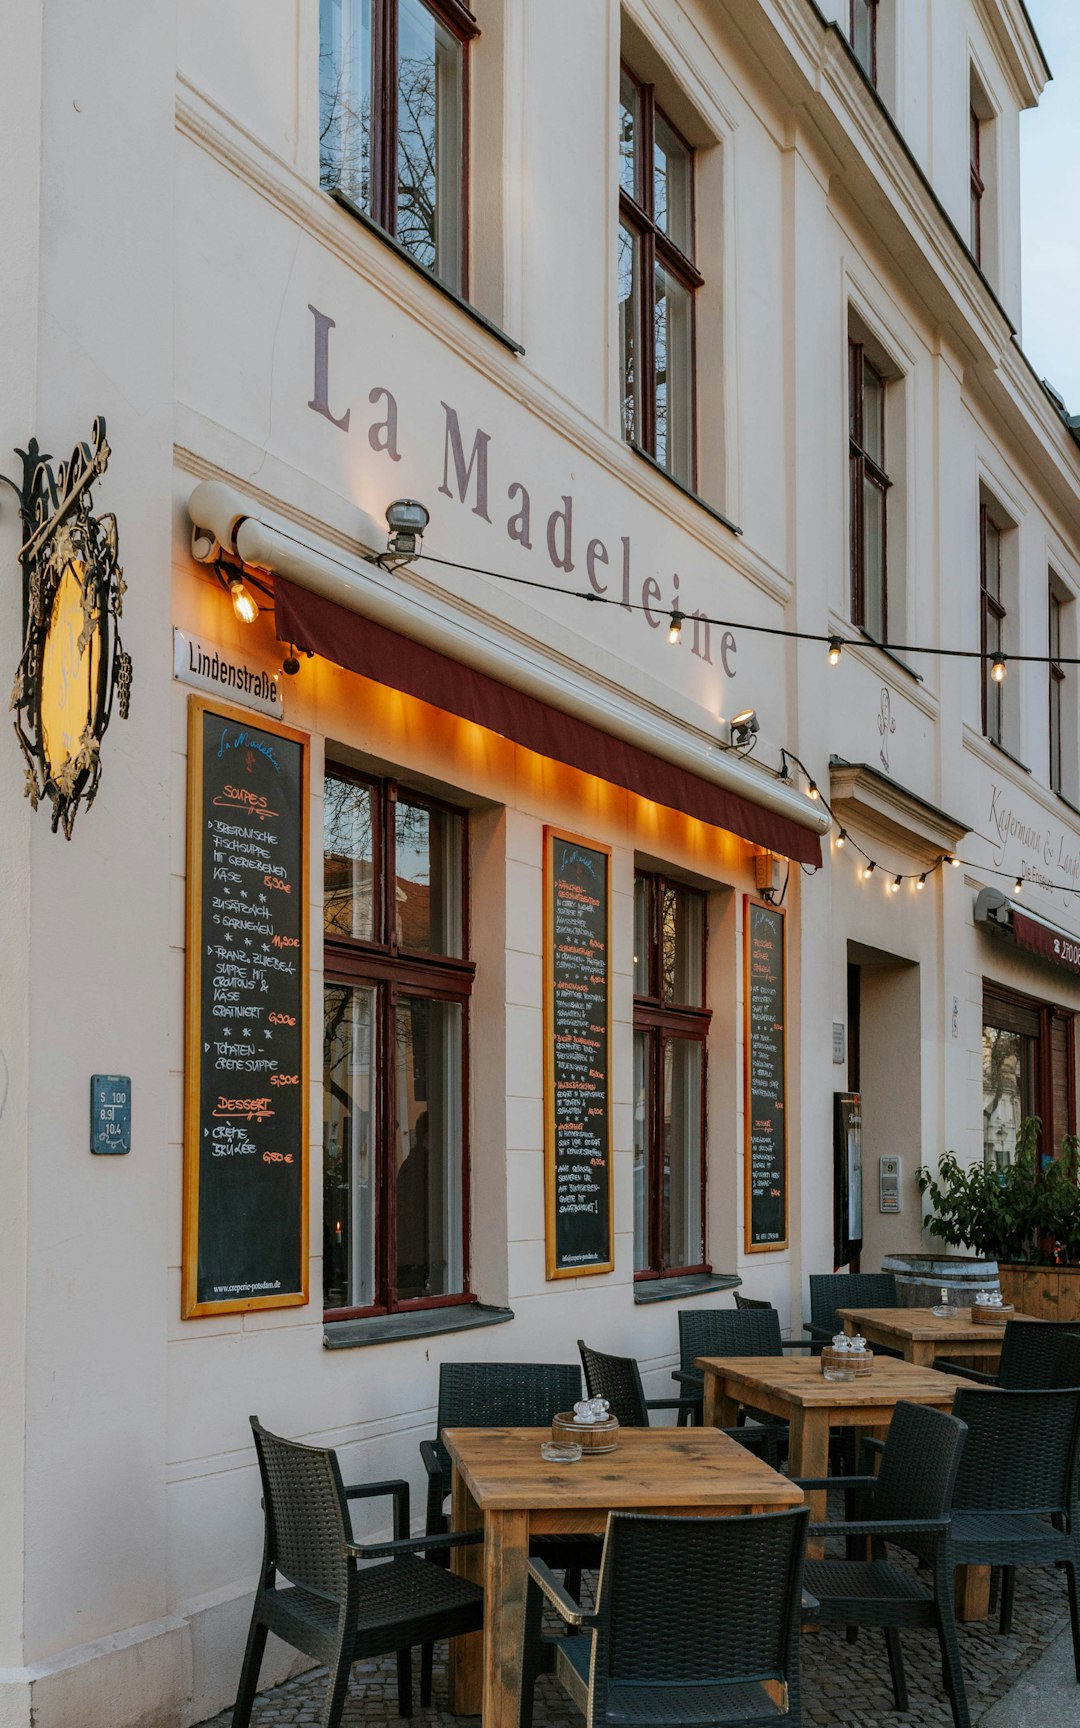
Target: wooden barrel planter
{"x":920,"y":1279}
{"x":1044,"y":1292}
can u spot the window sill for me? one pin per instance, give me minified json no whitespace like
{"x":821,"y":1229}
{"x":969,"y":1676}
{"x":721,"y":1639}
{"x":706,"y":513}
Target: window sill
{"x":687,"y":491}
{"x":1009,"y":757}
{"x":677,"y":1289}
{"x":406,"y":257}
{"x":416,"y":1323}
{"x":872,"y":642}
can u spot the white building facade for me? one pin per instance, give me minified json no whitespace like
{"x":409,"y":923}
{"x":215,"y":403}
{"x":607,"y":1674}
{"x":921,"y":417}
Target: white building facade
{"x":685,"y":316}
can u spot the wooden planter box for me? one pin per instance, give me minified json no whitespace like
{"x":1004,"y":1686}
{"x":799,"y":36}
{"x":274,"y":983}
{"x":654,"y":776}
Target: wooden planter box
{"x":1044,"y":1292}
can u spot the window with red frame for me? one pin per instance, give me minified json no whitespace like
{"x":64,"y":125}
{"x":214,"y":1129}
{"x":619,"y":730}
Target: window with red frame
{"x":992,"y":617}
{"x":869,"y":487}
{"x":671,"y":1026}
{"x":393,"y":120}
{"x":977,"y":186}
{"x":657,"y":281}
{"x":1029,"y":1065}
{"x":395,"y":1057}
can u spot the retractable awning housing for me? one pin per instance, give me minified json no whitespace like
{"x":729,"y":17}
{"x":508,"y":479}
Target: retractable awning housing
{"x":1059,"y":947}
{"x":353,"y":613}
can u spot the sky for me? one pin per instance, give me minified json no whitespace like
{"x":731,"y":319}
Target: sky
{"x":1050,"y":205}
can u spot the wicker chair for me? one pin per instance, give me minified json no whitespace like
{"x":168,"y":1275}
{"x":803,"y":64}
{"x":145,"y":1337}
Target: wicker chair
{"x":1018,"y":1473}
{"x":332,"y":1609}
{"x":731,"y":1332}
{"x":618,"y":1379}
{"x":749,"y":1301}
{"x":497,"y":1395}
{"x":696,"y":1623}
{"x":1029,"y":1354}
{"x":906,"y":1504}
{"x":832,"y":1290}
{"x":1067,"y":1361}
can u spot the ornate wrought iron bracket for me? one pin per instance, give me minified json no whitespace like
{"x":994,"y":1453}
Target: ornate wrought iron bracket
{"x":72,"y":663}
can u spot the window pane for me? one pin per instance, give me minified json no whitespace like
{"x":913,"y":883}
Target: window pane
{"x":862,"y":34}
{"x":627,"y":134}
{"x":992,"y":559}
{"x":683,"y":945}
{"x":873,"y":415}
{"x":430,"y":1227}
{"x":642,"y":896}
{"x":429,"y":165}
{"x":672,"y":356}
{"x":642,"y":1118}
{"x":427,"y":886}
{"x":629,"y":273}
{"x":873,"y":560}
{"x":1008,"y":1090}
{"x":671,"y":186}
{"x":349,"y":1129}
{"x":682,"y":1152}
{"x":349,"y":907}
{"x":345,"y":98}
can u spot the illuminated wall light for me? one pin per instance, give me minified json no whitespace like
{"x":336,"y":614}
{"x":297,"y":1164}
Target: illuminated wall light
{"x":1018,"y":885}
{"x":244,"y":603}
{"x":868,"y":869}
{"x":998,"y":669}
{"x":836,"y":648}
{"x":894,"y":885}
{"x":675,"y":627}
{"x":921,"y":883}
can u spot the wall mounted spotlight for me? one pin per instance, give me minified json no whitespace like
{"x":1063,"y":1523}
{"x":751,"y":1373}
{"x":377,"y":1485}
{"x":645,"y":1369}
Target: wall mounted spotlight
{"x":744,"y":727}
{"x":836,"y":648}
{"x":998,"y":669}
{"x":675,"y":628}
{"x":406,"y":519}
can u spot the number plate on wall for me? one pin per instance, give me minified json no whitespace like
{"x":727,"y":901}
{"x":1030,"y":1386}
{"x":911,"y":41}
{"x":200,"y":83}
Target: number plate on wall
{"x":110,"y":1113}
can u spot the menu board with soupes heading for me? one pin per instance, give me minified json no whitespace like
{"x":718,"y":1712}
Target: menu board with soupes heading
{"x":245,"y":1137}
{"x":577,"y":1055}
{"x":765,"y":1160}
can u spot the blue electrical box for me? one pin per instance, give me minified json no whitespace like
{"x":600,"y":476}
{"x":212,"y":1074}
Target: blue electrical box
{"x":110,"y":1113}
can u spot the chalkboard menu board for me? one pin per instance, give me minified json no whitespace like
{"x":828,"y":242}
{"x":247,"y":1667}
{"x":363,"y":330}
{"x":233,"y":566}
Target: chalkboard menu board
{"x":245,"y":1141}
{"x":577,"y":1055}
{"x":766,"y":1078}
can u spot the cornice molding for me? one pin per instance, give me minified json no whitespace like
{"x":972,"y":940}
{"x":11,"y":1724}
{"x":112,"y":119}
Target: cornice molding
{"x":875,"y":805}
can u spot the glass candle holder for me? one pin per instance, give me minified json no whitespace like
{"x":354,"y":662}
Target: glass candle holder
{"x":560,"y":1451}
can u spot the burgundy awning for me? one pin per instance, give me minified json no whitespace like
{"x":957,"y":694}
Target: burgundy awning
{"x":363,"y":646}
{"x":1052,"y":945}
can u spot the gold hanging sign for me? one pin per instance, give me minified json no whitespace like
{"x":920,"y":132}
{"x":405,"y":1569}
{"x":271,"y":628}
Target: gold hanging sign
{"x":73,"y":663}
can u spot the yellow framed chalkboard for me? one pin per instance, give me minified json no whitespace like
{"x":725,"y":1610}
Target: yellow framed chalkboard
{"x":765,"y":1219}
{"x":579,"y":1222}
{"x":245,"y":1233}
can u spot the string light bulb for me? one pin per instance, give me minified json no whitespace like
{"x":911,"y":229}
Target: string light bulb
{"x":836,"y":648}
{"x":675,"y":627}
{"x":841,"y":840}
{"x":868,"y":869}
{"x":953,"y":860}
{"x":244,"y":603}
{"x":1018,"y":885}
{"x":921,"y":883}
{"x":895,"y":884}
{"x":998,"y":669}
{"x":813,"y":790}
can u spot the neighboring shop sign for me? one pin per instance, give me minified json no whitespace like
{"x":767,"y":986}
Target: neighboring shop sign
{"x":766,"y":1077}
{"x":245,"y":1140}
{"x":1052,"y":945}
{"x":577,"y":1055}
{"x":206,"y":666}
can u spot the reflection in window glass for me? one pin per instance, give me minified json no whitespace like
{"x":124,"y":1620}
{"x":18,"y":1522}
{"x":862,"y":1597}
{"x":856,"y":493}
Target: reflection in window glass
{"x":672,"y":351}
{"x":642,"y":1113}
{"x":349,"y":1129}
{"x":682,"y":1152}
{"x":348,"y":859}
{"x":429,"y":79}
{"x":427,"y":887}
{"x":428,"y":1148}
{"x":627,"y":133}
{"x":683,"y":938}
{"x":671,"y":185}
{"x":642,"y":901}
{"x":1008,"y":1090}
{"x":345,"y":99}
{"x":628,"y":324}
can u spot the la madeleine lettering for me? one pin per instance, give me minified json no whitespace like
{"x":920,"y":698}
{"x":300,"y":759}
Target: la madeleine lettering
{"x":468,"y":478}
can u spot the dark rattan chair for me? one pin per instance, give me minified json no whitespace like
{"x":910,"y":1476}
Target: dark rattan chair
{"x":832,"y":1290}
{"x":1067,"y":1361}
{"x":906,"y":1504}
{"x":1013,"y":1500}
{"x":729,"y":1332}
{"x":1029,"y":1353}
{"x":331,"y":1608}
{"x":618,"y":1379}
{"x":696,"y":1623}
{"x":749,"y":1301}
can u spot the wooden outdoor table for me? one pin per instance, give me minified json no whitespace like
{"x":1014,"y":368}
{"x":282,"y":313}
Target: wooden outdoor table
{"x":922,"y":1336}
{"x":502,"y":1484}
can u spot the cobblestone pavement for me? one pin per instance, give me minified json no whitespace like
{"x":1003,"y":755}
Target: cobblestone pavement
{"x":844,"y":1685}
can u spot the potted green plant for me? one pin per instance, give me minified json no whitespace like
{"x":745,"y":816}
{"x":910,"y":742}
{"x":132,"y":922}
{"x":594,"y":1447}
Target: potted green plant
{"x":1025,"y":1215}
